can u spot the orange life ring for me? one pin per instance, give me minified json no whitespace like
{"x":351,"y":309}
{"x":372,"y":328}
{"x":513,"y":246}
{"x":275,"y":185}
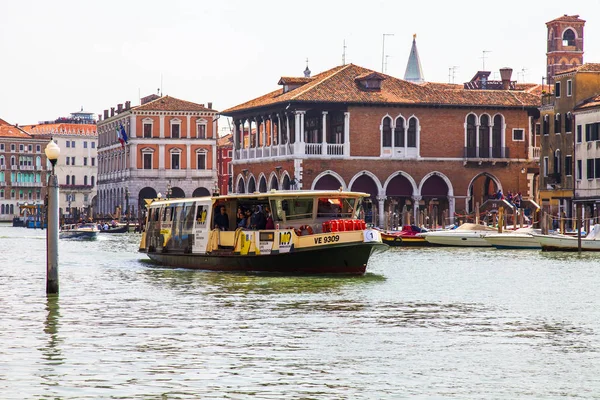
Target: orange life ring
{"x":303,"y":228}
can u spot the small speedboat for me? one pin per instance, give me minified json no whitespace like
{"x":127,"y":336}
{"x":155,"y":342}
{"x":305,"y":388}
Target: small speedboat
{"x":408,"y":236}
{"x":466,"y":235}
{"x":78,"y":231}
{"x":557,"y":242}
{"x":521,"y":238}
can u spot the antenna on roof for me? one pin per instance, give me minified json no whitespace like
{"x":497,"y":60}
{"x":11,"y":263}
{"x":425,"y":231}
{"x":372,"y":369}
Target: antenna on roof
{"x":344,"y":53}
{"x":386,"y":63}
{"x":483,"y":58}
{"x":522,"y":73}
{"x":452,"y":73}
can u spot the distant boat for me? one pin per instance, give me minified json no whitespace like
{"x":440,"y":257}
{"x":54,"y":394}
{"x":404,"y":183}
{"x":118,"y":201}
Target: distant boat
{"x":521,"y":238}
{"x":408,"y":236}
{"x":115,"y":229}
{"x":466,"y":235}
{"x":570,"y":243}
{"x":79,"y":231}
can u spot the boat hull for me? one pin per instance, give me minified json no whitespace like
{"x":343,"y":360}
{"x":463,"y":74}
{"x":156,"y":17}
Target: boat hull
{"x":348,"y":259}
{"x":78,"y":235}
{"x":394,"y":241}
{"x":456,"y":239}
{"x":512,"y":241}
{"x":566,"y":243}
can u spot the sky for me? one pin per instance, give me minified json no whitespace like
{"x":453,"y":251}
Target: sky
{"x":60,"y":56}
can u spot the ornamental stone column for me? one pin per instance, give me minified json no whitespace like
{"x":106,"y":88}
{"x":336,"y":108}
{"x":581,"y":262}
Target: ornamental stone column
{"x":416,"y":199}
{"x":324,"y":138}
{"x":381,"y":204}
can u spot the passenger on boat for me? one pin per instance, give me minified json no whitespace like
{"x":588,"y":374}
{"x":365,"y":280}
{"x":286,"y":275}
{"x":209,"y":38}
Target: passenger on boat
{"x":269,"y":218}
{"x":258,"y":219}
{"x":222,"y":219}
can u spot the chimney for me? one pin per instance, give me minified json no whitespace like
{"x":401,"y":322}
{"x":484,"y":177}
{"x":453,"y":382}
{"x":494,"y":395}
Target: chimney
{"x":105,"y":114}
{"x":119,"y":108}
{"x":210,"y":105}
{"x":127,"y":105}
{"x":505,"y":74}
{"x":112,"y":111}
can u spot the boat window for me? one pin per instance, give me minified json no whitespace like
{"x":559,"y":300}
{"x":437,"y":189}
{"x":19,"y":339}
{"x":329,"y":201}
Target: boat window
{"x":168,"y":214}
{"x":336,"y":207}
{"x":201,"y":215}
{"x":291,"y":209}
{"x":188,"y":216}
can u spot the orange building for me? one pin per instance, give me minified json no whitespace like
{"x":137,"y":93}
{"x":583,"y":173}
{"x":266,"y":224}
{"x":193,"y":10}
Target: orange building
{"x":170,"y":150}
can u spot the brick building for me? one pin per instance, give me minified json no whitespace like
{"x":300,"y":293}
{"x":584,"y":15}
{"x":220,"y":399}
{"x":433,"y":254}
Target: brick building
{"x":224,"y":157}
{"x":23,"y":170}
{"x":432,"y":146}
{"x":171,"y":151}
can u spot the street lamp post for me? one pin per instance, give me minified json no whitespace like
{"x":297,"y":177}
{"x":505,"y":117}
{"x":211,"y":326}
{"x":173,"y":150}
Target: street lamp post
{"x":127,"y":204}
{"x":52,"y":152}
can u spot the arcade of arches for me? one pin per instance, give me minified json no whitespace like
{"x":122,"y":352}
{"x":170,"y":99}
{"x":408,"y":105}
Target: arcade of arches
{"x":389,"y":198}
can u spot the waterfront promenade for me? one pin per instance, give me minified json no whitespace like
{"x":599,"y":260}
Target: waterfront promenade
{"x":422,"y":323}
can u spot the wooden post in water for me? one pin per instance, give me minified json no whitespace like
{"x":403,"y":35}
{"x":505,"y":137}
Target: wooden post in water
{"x":578,"y":212}
{"x":477,"y":213}
{"x":562,"y":222}
{"x":500,"y":219}
{"x":521,"y":217}
{"x":543,"y":222}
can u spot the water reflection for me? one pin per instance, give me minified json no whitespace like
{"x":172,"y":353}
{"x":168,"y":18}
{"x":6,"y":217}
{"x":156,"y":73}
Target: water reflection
{"x":247,"y":283}
{"x":51,"y":353}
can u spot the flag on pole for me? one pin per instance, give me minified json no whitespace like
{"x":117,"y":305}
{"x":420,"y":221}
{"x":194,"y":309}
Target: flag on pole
{"x":121,"y":134}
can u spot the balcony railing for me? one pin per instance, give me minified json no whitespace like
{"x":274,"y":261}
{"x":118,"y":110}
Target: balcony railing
{"x":306,"y":149}
{"x":484,"y":152}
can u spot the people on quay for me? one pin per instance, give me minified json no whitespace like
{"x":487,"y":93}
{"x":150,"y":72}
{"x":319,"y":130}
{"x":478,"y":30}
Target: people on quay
{"x":222,"y":219}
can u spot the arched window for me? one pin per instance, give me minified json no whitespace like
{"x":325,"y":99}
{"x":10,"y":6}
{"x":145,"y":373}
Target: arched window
{"x":2,"y":209}
{"x":386,"y":132}
{"x":72,"y":179}
{"x":557,"y":163}
{"x":92,"y":180}
{"x":85,"y":180}
{"x":399,"y":132}
{"x":471,"y":136}
{"x":484,"y":136}
{"x":568,"y":122}
{"x":569,"y":38}
{"x":497,"y":130}
{"x":412,"y":132}
{"x":546,"y":125}
{"x":68,"y":180}
{"x":557,"y":123}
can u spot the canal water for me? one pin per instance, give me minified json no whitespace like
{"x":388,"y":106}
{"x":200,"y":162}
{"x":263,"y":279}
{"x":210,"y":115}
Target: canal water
{"x":426,"y":323}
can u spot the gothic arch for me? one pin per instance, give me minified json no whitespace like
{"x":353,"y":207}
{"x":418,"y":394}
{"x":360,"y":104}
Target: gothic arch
{"x":240,"y":184}
{"x":273,"y":181}
{"x":332,"y":174}
{"x":444,"y":178}
{"x":405,"y":175}
{"x":469,"y":206}
{"x":262,"y":183}
{"x":251,"y":186}
{"x":285,"y":181}
{"x":370,"y":175}
{"x":474,"y":115}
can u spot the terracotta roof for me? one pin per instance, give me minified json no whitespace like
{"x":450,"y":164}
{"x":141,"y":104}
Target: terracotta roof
{"x":443,"y":86}
{"x":168,"y":103}
{"x":61,"y":128}
{"x":587,"y":67}
{"x":293,"y":80}
{"x":592,"y":102}
{"x":338,"y":85}
{"x":11,"y":131}
{"x":567,"y":18}
{"x":225,"y":140}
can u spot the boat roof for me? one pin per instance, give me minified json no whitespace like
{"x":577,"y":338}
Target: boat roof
{"x":468,"y":226}
{"x":271,"y":194}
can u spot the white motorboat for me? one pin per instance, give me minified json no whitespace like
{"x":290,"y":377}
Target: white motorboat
{"x":570,"y":243}
{"x":78,"y":231}
{"x":521,"y":238}
{"x":466,"y":235}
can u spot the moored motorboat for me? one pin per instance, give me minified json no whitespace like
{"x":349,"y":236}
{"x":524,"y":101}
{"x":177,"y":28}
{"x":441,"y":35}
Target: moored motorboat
{"x":115,"y":229}
{"x":557,"y":242}
{"x":310,"y":232}
{"x":408,"y":236}
{"x":466,"y":235}
{"x":78,"y":231}
{"x":521,"y":238}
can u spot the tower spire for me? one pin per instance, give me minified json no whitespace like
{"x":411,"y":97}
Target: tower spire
{"x":414,"y":72}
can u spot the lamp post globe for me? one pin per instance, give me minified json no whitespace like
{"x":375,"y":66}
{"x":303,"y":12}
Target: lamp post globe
{"x":52,"y":152}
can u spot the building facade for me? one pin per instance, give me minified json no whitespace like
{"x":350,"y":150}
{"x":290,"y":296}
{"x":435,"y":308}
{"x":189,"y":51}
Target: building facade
{"x":23,"y":170}
{"x":224,"y":157}
{"x":77,"y":165}
{"x":435,"y":147}
{"x":170,"y":150}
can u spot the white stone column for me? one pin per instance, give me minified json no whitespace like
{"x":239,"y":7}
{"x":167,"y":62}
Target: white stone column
{"x":381,"y":204}
{"x":161,"y":156}
{"x":189,"y":121}
{"x":296,"y":132}
{"x":133,"y":156}
{"x":132,"y":126}
{"x":451,"y":208}
{"x":347,"y":133}
{"x":302,"y":137}
{"x":270,"y":131}
{"x":161,"y":129}
{"x":324,"y":138}
{"x":188,"y":157}
{"x":287,"y":128}
{"x":477,"y":139}
{"x":416,"y":199}
{"x":279,"y":138}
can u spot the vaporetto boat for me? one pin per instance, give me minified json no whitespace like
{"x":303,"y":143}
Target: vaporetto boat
{"x":312,"y":232}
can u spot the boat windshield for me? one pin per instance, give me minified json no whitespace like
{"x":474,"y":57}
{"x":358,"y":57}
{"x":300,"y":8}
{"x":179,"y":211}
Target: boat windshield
{"x":335,"y":207}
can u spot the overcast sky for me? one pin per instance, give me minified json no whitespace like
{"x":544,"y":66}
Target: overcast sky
{"x":58,"y":56}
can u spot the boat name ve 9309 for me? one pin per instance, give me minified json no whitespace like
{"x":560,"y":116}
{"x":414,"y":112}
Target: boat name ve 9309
{"x":289,"y":232}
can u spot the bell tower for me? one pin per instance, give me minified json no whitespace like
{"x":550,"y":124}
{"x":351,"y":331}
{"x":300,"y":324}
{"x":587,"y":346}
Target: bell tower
{"x":565,"y":45}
